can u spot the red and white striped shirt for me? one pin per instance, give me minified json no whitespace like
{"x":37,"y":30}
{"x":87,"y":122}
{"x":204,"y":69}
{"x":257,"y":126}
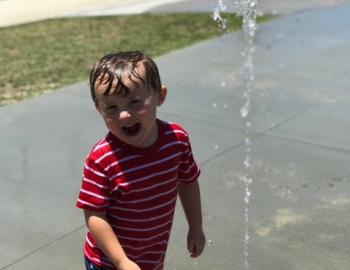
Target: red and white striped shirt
{"x":136,"y":187}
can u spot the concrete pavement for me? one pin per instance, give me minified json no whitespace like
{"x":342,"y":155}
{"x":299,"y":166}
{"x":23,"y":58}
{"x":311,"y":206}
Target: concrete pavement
{"x":300,"y":150}
{"x":13,"y":12}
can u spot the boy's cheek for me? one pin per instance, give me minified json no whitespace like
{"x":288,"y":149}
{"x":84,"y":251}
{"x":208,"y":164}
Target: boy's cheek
{"x":146,"y":110}
{"x":142,"y":112}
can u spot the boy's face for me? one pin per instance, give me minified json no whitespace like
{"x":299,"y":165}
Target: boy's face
{"x":132,"y":118}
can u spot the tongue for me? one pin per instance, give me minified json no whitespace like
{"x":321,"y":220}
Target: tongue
{"x":131,"y":131}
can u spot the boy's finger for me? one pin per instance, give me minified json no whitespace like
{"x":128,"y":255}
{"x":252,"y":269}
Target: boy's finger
{"x":191,"y":248}
{"x":197,"y":251}
{"x":194,"y":252}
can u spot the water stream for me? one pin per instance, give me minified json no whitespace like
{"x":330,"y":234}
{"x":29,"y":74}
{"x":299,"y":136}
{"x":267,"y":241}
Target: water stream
{"x":248,"y":10}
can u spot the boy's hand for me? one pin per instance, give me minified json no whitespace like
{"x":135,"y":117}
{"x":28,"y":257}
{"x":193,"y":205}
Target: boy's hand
{"x":195,"y":242}
{"x":128,"y":265}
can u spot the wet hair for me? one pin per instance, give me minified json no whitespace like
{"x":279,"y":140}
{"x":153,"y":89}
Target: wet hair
{"x":115,"y":69}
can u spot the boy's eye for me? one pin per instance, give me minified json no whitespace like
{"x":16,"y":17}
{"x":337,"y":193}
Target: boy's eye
{"x":112,"y":108}
{"x":135,"y":102}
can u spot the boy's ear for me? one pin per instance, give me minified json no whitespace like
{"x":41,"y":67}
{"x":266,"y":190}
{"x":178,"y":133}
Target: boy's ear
{"x":162,"y":95}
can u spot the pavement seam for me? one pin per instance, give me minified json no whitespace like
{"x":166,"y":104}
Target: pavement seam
{"x":322,"y":146}
{"x":257,"y":135}
{"x":43,"y":247}
{"x":265,"y":133}
{"x":300,"y":141}
{"x":205,"y":121}
{"x":284,"y":121}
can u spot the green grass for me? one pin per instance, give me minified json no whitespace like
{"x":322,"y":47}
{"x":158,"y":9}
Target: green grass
{"x":43,"y":56}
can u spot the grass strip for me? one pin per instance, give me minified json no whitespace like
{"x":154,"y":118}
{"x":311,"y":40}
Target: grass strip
{"x":46,"y":55}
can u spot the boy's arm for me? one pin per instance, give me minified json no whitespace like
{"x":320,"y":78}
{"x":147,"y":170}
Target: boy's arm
{"x":191,"y":203}
{"x":107,"y":241}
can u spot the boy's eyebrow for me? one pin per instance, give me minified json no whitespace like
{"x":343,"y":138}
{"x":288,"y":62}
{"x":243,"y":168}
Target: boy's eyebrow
{"x":107,"y":104}
{"x":133,"y":95}
{"x":108,"y":101}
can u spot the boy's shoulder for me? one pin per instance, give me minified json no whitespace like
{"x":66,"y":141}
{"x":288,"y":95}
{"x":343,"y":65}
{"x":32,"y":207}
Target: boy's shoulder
{"x":175,"y":129}
{"x":103,"y":146}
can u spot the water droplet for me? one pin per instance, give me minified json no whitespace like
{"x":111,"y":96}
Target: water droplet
{"x":229,"y":185}
{"x":223,"y":23}
{"x":225,"y":106}
{"x":245,"y":110}
{"x":279,"y":36}
{"x":221,"y":5}
{"x":247,"y":163}
{"x":216,"y":147}
{"x":285,"y":193}
{"x":214,"y":105}
{"x":249,"y":180}
{"x":252,"y":4}
{"x":223,"y":84}
{"x":251,"y":23}
{"x":216,"y":14}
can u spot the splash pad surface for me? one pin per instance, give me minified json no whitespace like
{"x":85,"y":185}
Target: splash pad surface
{"x":300,"y":210}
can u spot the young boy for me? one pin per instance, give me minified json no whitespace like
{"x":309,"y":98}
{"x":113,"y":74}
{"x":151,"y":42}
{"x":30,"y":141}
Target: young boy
{"x":133,"y":175}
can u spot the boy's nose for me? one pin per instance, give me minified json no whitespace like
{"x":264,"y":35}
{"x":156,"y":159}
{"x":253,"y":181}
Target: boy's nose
{"x":123,"y":115}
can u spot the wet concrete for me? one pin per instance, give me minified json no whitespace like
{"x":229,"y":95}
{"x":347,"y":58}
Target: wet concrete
{"x":273,"y":7}
{"x":300,"y":210}
{"x":300,"y":206}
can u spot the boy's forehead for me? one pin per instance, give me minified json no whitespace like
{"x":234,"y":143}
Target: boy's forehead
{"x":132,"y":80}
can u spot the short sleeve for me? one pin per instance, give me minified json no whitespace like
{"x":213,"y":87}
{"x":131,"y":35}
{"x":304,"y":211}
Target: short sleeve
{"x":188,"y":168}
{"x":95,"y":189}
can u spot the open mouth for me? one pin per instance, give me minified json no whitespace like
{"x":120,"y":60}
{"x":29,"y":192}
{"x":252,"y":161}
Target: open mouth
{"x":133,"y":130}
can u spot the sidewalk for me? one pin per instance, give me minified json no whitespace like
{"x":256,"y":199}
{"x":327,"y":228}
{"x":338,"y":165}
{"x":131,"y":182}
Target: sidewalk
{"x":300,"y":149}
{"x":13,"y":12}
